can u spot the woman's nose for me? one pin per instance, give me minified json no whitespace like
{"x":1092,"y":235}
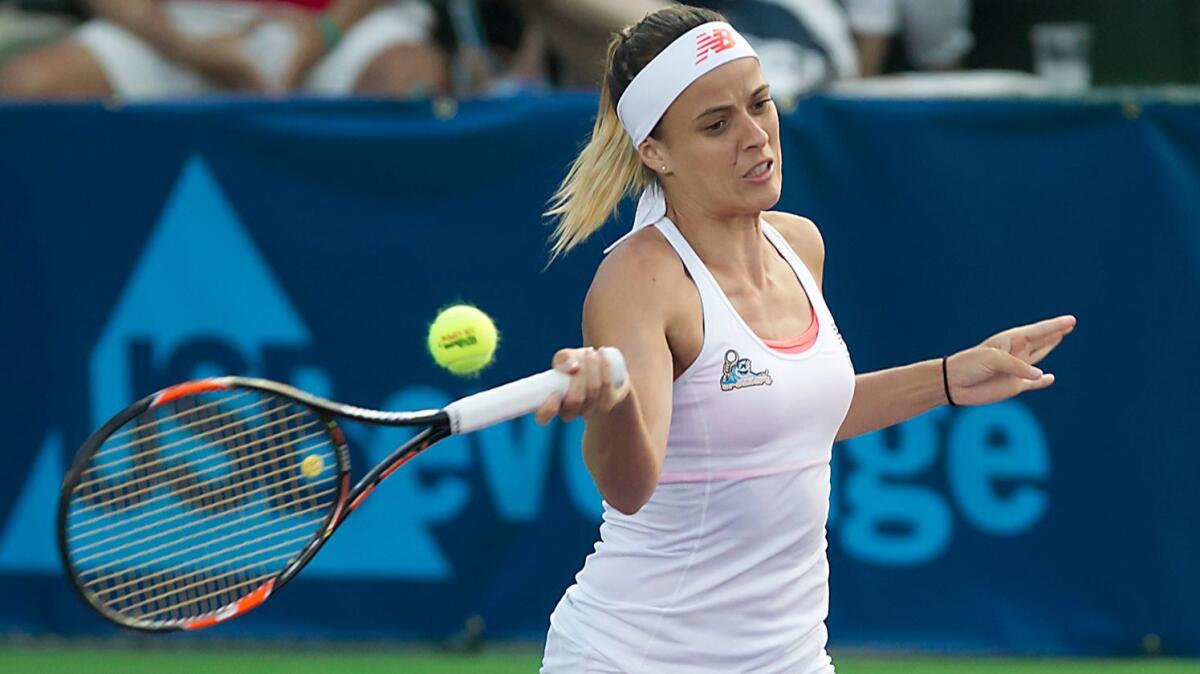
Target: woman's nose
{"x":756,"y":135}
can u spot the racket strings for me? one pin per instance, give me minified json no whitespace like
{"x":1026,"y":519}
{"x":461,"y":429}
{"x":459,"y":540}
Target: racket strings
{"x":240,"y":576}
{"x":163,"y":419}
{"x":198,"y":597}
{"x":176,"y":539}
{"x":194,"y":494}
{"x":110,"y":474}
{"x":197,"y":502}
{"x":95,"y":573}
{"x":167,"y":507}
{"x":222,"y":554}
{"x":152,"y":479}
{"x":178,"y":574}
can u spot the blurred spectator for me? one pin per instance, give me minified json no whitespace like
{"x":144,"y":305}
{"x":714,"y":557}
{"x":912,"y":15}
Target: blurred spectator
{"x":803,"y":45}
{"x":577,"y":32}
{"x":499,"y":47}
{"x":936,"y":33}
{"x":23,"y":27}
{"x":140,"y":49}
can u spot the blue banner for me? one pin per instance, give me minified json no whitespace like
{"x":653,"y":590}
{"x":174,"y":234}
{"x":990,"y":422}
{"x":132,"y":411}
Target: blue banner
{"x":312,"y":242}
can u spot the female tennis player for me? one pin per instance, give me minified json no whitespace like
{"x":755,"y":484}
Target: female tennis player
{"x":714,"y":460}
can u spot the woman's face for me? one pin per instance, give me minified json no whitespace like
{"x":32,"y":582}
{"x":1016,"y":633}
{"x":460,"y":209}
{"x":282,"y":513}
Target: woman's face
{"x":720,"y":142}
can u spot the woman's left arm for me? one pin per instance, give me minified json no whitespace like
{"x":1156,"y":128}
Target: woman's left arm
{"x":1001,"y":367}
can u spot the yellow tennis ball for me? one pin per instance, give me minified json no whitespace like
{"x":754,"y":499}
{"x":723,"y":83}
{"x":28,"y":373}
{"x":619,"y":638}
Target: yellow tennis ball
{"x":312,"y":465}
{"x":462,"y":339}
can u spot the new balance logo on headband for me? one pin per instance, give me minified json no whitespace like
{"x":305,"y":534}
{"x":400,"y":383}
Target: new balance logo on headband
{"x":715,"y":42}
{"x":687,"y":59}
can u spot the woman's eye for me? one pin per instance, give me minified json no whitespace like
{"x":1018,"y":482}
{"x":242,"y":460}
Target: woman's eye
{"x":717,"y":126}
{"x":762,"y":104}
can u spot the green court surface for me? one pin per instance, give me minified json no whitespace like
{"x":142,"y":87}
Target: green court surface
{"x":46,"y":659}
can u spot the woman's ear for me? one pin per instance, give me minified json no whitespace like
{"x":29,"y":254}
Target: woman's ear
{"x":655,"y":156}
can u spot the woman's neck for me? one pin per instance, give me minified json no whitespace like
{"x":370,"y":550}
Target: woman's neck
{"x":729,"y":244}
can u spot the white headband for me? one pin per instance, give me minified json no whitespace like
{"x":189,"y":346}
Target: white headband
{"x":684,"y":61}
{"x":646,"y":99}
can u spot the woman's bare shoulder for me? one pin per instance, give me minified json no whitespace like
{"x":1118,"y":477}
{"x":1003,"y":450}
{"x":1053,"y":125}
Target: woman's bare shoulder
{"x":804,"y":238}
{"x":639,"y":277}
{"x":642,"y":261}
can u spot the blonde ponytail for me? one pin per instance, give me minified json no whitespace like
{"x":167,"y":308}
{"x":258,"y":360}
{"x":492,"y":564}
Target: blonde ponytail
{"x":605,"y":172}
{"x":609,"y":168}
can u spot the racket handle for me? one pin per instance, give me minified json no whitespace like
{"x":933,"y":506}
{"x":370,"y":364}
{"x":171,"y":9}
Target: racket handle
{"x":519,"y":397}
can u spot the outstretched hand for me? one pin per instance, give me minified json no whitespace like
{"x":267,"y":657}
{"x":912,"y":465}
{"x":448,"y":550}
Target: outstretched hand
{"x":1004,"y":364}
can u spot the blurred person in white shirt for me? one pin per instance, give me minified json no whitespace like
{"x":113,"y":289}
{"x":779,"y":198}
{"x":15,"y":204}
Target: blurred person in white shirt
{"x":156,"y":49}
{"x":803,"y":44}
{"x":936,"y":33}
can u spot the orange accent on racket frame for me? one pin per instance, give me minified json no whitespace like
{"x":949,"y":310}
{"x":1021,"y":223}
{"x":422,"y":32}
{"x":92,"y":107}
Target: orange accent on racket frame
{"x":187,"y":388}
{"x":241,"y":606}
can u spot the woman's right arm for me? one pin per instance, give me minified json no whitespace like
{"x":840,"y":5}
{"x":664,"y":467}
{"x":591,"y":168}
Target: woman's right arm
{"x":625,"y":438}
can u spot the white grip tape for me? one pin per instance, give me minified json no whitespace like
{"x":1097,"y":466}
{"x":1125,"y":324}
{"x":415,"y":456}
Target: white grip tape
{"x":519,"y":397}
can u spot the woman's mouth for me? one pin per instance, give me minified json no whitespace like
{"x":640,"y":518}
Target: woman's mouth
{"x":761,"y":172}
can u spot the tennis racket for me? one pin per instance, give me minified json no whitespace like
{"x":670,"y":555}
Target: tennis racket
{"x":195,"y":504}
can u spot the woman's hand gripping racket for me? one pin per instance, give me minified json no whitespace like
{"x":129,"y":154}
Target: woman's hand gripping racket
{"x":196,"y":503}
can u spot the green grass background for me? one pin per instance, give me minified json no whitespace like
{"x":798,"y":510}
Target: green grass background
{"x":70,"y":659}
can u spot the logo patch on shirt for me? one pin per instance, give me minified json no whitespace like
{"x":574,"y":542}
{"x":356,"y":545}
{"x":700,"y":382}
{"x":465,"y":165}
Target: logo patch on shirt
{"x":737,"y":373}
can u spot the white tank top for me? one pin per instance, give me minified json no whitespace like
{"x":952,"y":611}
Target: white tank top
{"x":724,"y":568}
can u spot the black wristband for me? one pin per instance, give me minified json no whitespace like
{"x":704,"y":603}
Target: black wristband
{"x":946,"y":382}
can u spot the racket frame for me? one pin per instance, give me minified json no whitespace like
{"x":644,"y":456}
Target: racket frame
{"x":437,"y":426}
{"x":464,"y":415}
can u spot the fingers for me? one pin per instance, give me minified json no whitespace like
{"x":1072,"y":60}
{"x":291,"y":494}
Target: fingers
{"x":606,"y":375}
{"x":614,"y":392}
{"x":1059,"y":325}
{"x":549,"y":409}
{"x":1044,"y":336}
{"x":1041,"y":382}
{"x":1032,"y":334}
{"x":1067,"y":322}
{"x":574,"y":399}
{"x":595,"y":379}
{"x":565,"y":361}
{"x":1042,"y":350}
{"x":589,"y":388}
{"x":1004,"y":362}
